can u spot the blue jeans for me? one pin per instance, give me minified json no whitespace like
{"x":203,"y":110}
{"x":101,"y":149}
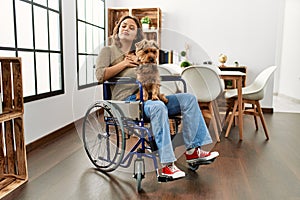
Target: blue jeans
{"x":195,"y":132}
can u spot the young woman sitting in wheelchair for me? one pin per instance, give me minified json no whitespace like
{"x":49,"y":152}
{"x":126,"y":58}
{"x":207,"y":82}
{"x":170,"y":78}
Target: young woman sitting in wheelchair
{"x":118,"y":60}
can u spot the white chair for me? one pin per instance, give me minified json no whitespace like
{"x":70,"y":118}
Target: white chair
{"x":170,"y":87}
{"x":251,"y":94}
{"x":172,"y":68}
{"x":204,"y":82}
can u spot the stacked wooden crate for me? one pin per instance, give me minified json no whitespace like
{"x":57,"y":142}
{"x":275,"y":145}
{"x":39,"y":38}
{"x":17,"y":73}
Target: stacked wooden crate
{"x":13,"y":163}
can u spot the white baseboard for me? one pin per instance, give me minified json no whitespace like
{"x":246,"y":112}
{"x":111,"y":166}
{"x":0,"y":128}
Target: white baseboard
{"x":295,"y":100}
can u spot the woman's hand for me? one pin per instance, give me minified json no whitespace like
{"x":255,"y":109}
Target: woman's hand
{"x":131,"y":60}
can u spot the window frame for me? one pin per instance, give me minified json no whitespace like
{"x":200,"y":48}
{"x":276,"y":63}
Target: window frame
{"x":18,"y":50}
{"x":93,"y":54}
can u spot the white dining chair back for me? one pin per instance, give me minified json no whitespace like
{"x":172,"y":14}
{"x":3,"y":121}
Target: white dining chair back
{"x":256,"y":90}
{"x":169,"y":87}
{"x":252,"y":94}
{"x":204,"y":82}
{"x":172,"y":68}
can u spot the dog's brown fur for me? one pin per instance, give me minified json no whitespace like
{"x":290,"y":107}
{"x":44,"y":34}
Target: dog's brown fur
{"x":147,"y":71}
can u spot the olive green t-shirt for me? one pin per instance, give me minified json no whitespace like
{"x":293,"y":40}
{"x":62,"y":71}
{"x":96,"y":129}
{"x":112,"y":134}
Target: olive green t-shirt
{"x":108,"y":57}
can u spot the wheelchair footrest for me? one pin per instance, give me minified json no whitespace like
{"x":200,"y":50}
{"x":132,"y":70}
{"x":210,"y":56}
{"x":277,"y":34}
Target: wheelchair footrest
{"x":206,"y":162}
{"x":162,"y":178}
{"x":195,"y":165}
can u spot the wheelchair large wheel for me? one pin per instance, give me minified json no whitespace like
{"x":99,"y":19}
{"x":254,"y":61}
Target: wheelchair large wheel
{"x":103,"y":136}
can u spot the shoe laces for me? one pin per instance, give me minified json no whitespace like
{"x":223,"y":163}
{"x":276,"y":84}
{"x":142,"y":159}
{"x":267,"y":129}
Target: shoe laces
{"x":173,"y":167}
{"x":201,"y":153}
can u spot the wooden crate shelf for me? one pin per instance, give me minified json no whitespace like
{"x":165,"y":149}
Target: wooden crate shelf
{"x":153,"y":13}
{"x":10,"y":115}
{"x":114,"y":14}
{"x":13,"y":162}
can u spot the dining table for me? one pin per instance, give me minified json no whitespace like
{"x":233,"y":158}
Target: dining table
{"x":238,"y":77}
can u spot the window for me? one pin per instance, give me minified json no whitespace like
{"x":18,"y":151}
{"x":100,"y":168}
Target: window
{"x":90,"y":35}
{"x":33,"y":32}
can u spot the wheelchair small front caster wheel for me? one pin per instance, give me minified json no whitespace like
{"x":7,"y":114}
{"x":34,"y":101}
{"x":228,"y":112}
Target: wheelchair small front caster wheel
{"x":139,"y":173}
{"x":193,"y":166}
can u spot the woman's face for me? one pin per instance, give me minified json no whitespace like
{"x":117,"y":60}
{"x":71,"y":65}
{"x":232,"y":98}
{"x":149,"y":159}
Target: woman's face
{"x":127,"y":30}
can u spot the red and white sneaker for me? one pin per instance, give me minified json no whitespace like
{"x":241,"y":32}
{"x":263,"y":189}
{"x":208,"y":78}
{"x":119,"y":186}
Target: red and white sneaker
{"x":200,"y":155}
{"x":172,"y":171}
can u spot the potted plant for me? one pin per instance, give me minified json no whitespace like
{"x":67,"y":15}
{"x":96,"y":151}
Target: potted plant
{"x":236,"y":63}
{"x":183,"y":53}
{"x":145,"y":22}
{"x":185,"y":64}
{"x":228,"y":84}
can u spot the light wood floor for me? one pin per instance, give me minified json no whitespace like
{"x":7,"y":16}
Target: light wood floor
{"x":251,"y":169}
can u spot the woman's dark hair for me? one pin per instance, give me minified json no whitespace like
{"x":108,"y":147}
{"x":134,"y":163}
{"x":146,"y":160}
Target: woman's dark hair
{"x":140,"y":34}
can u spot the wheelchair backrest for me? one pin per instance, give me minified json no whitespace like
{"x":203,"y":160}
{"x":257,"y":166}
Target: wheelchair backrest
{"x":127,"y":109}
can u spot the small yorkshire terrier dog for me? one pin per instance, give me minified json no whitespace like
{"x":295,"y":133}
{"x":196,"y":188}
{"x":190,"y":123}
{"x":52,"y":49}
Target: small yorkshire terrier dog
{"x":147,"y":71}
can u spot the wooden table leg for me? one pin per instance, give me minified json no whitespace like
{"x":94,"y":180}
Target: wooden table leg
{"x":240,"y":107}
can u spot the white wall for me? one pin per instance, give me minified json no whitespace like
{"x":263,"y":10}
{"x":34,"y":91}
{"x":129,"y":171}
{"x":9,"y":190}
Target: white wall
{"x":290,"y":65}
{"x":246,"y":31}
{"x":47,"y":115}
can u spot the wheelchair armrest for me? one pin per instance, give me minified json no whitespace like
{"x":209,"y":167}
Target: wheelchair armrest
{"x":174,"y":78}
{"x":120,"y":80}
{"x":130,"y":80}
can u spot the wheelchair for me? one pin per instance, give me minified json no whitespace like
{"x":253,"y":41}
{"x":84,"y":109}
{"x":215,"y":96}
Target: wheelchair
{"x":108,"y":125}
